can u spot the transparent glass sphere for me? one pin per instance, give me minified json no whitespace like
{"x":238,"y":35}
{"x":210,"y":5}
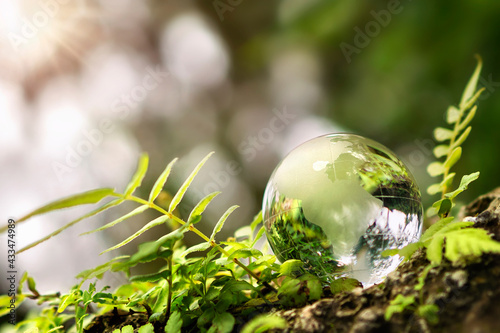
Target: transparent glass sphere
{"x":336,"y":202}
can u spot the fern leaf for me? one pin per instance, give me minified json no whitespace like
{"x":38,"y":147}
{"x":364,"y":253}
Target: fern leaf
{"x":441,"y":150}
{"x":160,"y":182}
{"x":257,"y":219}
{"x":462,"y":137}
{"x":453,"y":158}
{"x":137,"y":178}
{"x":452,"y":115}
{"x":196,"y":248}
{"x":443,"y":134}
{"x":97,"y":272}
{"x":110,"y":204}
{"x":435,"y":250}
{"x":435,"y":228}
{"x":435,"y":169}
{"x":182,"y":190}
{"x":136,"y":211}
{"x":201,"y":206}
{"x":464,"y":184}
{"x":469,"y":242}
{"x":154,"y":223}
{"x":470,"y":88}
{"x":221,"y":221}
{"x":84,"y":198}
{"x":405,"y":252}
{"x":259,"y":235}
{"x":468,"y":119}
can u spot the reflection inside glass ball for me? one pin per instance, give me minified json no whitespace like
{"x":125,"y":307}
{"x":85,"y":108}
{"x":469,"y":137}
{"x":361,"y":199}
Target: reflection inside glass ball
{"x":336,"y":202}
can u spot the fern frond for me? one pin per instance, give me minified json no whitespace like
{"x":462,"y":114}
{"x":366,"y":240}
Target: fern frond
{"x":182,"y":190}
{"x":451,"y":140}
{"x":157,"y":187}
{"x":137,"y":178}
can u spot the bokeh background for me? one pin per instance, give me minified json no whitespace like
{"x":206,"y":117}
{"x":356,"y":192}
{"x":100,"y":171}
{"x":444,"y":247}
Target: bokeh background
{"x":86,"y":86}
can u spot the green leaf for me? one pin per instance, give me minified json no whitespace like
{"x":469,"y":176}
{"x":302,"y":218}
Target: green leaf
{"x":257,"y":219}
{"x":444,"y":208}
{"x":435,"y":250}
{"x":315,"y":289}
{"x":149,"y":250}
{"x":433,"y":229}
{"x":344,"y":284}
{"x":235,"y":286}
{"x":441,"y":150}
{"x":398,"y":305}
{"x":110,"y":204}
{"x":98,"y":271}
{"x":443,"y":134}
{"x":136,"y":211}
{"x":470,"y":88}
{"x":158,"y":186}
{"x":221,"y":221}
{"x":452,"y":115}
{"x":206,"y":317}
{"x":264,"y":323}
{"x":174,"y":323}
{"x":468,"y":119}
{"x":462,"y":137}
{"x":259,"y":235}
{"x":453,"y":158}
{"x":429,"y":312}
{"x":245,"y":253}
{"x":435,"y":169}
{"x":137,"y":178}
{"x":290,"y":266}
{"x":464,"y":184}
{"x":154,"y":223}
{"x":222,"y":323}
{"x":474,"y":98}
{"x":148,"y":328}
{"x":448,"y":180}
{"x":201,"y":206}
{"x":153,"y":277}
{"x":32,"y":286}
{"x":469,"y":242}
{"x":405,"y":252}
{"x":196,"y":248}
{"x":127,"y":329}
{"x":434,"y":189}
{"x":84,"y":198}
{"x":182,"y":190}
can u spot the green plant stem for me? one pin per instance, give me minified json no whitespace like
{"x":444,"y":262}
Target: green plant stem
{"x":202,"y":235}
{"x":169,"y":300}
{"x":456,"y":132}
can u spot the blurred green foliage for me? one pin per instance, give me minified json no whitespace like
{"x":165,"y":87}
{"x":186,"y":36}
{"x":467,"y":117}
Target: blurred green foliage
{"x":396,"y":89}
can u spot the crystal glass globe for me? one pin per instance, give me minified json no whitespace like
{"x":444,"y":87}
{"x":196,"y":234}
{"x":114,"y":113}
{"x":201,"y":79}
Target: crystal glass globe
{"x":336,"y":202}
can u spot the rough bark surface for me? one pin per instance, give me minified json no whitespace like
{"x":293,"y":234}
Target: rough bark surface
{"x":468,"y":295}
